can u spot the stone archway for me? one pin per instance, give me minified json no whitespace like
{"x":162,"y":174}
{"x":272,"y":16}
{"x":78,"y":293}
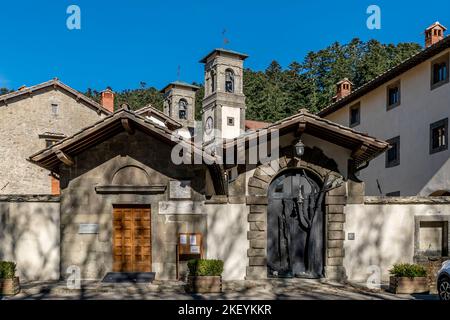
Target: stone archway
{"x":316,"y":162}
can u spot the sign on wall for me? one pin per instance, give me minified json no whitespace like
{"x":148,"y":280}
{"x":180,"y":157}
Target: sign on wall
{"x":181,"y":207}
{"x":88,"y":228}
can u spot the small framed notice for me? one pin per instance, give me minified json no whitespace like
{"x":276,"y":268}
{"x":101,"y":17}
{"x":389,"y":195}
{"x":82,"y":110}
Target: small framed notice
{"x":193,"y":240}
{"x":88,"y":228}
{"x":183,"y":239}
{"x":195,"y":249}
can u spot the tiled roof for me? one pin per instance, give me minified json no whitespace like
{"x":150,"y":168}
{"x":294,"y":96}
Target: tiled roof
{"x":389,"y":75}
{"x":57,"y":84}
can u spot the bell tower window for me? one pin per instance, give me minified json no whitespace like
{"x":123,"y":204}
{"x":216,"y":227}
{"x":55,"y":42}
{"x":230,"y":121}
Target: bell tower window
{"x":229,"y":81}
{"x":213,"y":81}
{"x":182,"y":109}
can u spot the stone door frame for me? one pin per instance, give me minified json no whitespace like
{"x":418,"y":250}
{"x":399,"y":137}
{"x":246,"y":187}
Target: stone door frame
{"x":257,"y":200}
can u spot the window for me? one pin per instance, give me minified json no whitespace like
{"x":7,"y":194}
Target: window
{"x":393,"y":154}
{"x":393,"y":194}
{"x":393,"y":95}
{"x":55,"y":109}
{"x":182,"y":109}
{"x":439,"y":136}
{"x":439,"y":72}
{"x":433,"y":238}
{"x":230,"y":121}
{"x":213,"y":81}
{"x":355,"y":115}
{"x":50,"y":138}
{"x":229,"y":81}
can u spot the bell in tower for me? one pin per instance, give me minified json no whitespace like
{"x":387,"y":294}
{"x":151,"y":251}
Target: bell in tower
{"x":223,"y":107}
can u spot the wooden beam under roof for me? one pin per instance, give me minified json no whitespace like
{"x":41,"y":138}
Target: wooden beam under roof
{"x":64,"y":158}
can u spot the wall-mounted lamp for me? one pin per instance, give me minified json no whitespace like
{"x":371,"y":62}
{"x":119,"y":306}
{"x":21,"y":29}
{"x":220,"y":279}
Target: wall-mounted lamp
{"x":299,"y":148}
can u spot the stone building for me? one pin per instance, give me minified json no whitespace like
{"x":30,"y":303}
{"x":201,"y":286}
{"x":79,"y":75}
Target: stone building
{"x":32,"y":118}
{"x":280,"y":200}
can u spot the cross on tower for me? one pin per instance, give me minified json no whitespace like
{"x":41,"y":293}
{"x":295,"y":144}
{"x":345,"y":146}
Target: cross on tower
{"x":225,"y":40}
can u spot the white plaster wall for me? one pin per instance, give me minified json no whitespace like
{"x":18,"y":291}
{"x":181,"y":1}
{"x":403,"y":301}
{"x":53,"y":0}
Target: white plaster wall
{"x":384,"y":235}
{"x":227,"y":238}
{"x":229,"y":132}
{"x":419,"y":173}
{"x":29,"y":236}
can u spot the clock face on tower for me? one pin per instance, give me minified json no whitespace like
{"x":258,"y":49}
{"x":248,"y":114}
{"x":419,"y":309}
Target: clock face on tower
{"x":209,"y":125}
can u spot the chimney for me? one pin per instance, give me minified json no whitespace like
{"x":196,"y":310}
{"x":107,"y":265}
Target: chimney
{"x":108,"y":99}
{"x":434,"y":34}
{"x":343,"y":89}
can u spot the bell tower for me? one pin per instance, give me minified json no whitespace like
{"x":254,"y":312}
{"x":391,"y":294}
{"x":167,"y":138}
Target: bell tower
{"x":223,"y":107}
{"x":179,"y":102}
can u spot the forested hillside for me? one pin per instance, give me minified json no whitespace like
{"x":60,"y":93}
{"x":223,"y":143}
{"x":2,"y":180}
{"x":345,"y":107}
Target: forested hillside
{"x":275,"y":93}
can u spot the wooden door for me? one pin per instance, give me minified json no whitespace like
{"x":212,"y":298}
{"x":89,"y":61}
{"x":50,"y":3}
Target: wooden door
{"x":132,"y":246}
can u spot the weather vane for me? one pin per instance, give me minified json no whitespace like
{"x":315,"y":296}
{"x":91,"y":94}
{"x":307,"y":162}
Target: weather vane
{"x":178,"y":72}
{"x":225,"y":39}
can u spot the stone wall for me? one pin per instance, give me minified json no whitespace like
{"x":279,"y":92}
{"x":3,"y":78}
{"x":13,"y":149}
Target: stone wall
{"x":29,"y":235}
{"x":21,"y":122}
{"x":82,"y":202}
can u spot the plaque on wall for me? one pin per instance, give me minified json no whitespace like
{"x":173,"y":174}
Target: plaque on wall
{"x":180,"y":189}
{"x":88,"y":228}
{"x":181,"y":207}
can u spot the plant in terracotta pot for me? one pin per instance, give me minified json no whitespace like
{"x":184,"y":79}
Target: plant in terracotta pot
{"x":408,"y":279}
{"x":9,"y":283}
{"x":205,"y":276}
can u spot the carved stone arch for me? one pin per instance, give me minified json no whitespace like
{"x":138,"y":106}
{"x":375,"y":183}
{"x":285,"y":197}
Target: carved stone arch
{"x":130,"y":175}
{"x":315,"y":161}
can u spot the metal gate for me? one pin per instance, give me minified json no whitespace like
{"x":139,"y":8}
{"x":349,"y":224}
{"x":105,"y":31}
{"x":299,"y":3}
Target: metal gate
{"x":295,"y":224}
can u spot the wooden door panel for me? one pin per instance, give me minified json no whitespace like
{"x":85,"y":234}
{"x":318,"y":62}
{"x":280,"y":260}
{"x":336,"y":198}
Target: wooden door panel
{"x":132,"y":240}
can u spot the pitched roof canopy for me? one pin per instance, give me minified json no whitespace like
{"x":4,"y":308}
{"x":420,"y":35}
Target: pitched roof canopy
{"x":389,"y":75}
{"x":120,"y":121}
{"x":55,"y":83}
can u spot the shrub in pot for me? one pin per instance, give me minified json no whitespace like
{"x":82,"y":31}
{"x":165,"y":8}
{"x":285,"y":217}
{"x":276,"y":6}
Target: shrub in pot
{"x":205,"y":276}
{"x":9,"y":283}
{"x":408,"y":279}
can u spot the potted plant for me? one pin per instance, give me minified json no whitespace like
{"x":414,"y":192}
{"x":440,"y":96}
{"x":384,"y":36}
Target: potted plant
{"x":408,"y":279}
{"x":205,"y":276}
{"x":9,"y":283}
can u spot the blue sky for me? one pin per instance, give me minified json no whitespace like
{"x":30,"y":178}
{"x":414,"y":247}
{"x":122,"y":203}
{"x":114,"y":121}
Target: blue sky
{"x":124,"y":42}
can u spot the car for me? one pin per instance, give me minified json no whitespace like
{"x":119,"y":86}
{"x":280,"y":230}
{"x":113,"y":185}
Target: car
{"x":443,"y":281}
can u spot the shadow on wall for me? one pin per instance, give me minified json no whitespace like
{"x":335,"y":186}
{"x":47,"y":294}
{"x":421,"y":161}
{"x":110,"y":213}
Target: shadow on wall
{"x":227,"y":238}
{"x":29,"y":236}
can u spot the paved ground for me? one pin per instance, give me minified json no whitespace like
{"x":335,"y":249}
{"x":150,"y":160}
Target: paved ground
{"x":295,"y":289}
